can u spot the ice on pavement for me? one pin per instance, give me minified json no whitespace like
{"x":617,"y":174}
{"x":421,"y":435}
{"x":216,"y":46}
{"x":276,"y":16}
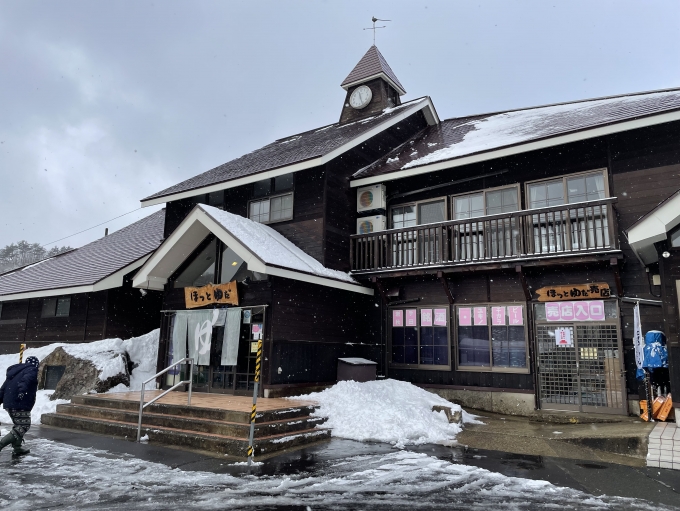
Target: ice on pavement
{"x":106,"y":355}
{"x":66,"y":477}
{"x":390,"y":411}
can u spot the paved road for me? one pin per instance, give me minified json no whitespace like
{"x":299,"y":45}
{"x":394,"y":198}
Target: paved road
{"x":68,"y":470}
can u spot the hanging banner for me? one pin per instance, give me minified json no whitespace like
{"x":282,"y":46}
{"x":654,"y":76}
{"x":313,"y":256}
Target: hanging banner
{"x":440,"y":317}
{"x":397,"y":318}
{"x":638,"y":341}
{"x":498,"y":316}
{"x":563,"y":338}
{"x":573,"y":292}
{"x":211,"y":293}
{"x":465,"y":316}
{"x":586,"y":310}
{"x":425,"y":317}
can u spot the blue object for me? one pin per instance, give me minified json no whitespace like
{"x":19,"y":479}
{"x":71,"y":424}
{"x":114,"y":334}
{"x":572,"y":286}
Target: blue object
{"x":21,"y":379}
{"x":655,"y":351}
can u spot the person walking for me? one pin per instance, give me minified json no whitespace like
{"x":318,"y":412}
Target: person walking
{"x":17,"y":395}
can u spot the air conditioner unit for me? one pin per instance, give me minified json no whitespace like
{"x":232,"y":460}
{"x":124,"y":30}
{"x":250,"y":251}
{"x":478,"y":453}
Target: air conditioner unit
{"x":370,"y":224}
{"x":370,"y":197}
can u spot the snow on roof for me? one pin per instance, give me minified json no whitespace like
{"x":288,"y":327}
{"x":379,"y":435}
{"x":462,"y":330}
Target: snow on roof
{"x":459,"y":137}
{"x":271,"y":247}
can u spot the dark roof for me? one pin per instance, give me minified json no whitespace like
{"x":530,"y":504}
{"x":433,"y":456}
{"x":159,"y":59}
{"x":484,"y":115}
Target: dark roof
{"x":287,"y":151}
{"x":91,"y":263}
{"x":465,"y":136}
{"x":371,"y":64}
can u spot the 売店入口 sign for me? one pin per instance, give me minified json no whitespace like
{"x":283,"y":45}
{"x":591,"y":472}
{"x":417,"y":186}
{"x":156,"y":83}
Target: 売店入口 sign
{"x":573,"y":292}
{"x":211,"y":293}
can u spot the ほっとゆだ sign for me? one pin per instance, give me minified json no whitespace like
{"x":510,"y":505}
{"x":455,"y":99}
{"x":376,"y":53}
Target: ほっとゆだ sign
{"x":209,"y":294}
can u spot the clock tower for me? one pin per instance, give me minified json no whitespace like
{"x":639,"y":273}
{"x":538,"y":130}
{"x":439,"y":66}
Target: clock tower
{"x":371,"y":87}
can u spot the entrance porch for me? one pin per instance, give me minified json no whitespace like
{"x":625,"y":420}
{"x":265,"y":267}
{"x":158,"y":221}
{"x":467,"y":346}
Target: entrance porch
{"x":215,"y":423}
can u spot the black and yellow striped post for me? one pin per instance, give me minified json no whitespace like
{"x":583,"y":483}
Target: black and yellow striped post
{"x":253,"y":413}
{"x":21,"y":353}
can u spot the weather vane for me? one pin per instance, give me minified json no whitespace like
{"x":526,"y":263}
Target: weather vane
{"x":374,"y":28}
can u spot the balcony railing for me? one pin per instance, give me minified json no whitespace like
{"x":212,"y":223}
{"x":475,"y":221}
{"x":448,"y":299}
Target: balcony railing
{"x":566,"y":229}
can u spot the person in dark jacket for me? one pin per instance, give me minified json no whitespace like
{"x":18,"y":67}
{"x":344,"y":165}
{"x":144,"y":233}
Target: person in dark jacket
{"x":17,"y":395}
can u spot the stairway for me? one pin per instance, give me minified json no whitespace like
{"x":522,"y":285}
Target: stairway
{"x":214,"y":430}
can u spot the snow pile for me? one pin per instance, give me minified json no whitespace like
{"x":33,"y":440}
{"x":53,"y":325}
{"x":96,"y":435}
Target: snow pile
{"x":390,"y":411}
{"x":142,"y":351}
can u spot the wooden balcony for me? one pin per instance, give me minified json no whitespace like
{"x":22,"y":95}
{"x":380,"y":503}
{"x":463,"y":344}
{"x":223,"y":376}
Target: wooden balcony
{"x":551,"y":232}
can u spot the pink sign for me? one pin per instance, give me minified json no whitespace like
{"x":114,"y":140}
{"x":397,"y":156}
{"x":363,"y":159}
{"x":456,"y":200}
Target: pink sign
{"x":397,"y":318}
{"x":480,"y":316}
{"x":584,"y":310}
{"x":515,"y":316}
{"x":464,"y":316}
{"x":425,"y":317}
{"x":411,"y":317}
{"x":440,"y":317}
{"x":498,"y":316}
{"x":596,"y":310}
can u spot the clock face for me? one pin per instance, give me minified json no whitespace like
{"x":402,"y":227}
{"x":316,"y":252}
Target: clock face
{"x":360,"y":97}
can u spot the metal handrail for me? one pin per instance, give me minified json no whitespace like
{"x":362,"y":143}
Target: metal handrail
{"x":141,"y":398}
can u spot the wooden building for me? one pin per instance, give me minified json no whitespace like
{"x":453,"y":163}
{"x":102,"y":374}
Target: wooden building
{"x":82,"y":295}
{"x":494,"y":259}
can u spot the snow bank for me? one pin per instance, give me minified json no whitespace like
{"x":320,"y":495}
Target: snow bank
{"x":142,"y":351}
{"x":390,"y":411}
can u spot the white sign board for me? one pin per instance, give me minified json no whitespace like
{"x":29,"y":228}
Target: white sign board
{"x":563,"y":337}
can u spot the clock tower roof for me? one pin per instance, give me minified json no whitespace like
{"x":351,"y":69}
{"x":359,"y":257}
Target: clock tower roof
{"x":372,"y":65}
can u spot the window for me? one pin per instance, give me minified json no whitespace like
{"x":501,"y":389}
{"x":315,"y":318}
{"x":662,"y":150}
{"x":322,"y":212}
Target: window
{"x":418,"y":213}
{"x":420,"y":336}
{"x":56,"y":307}
{"x":201,"y":270}
{"x":492,"y":337}
{"x":233,"y":267}
{"x":273,"y":209}
{"x":675,"y":242}
{"x":570,"y":228}
{"x":216,"y":199}
{"x":487,"y":202}
{"x":408,"y":247}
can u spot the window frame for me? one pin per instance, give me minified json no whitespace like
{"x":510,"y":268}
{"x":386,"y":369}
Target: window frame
{"x":269,"y":198}
{"x":53,"y":313}
{"x":484,"y":191}
{"x":415,"y":205}
{"x":426,"y":367}
{"x":564,"y":177}
{"x":491,"y":368}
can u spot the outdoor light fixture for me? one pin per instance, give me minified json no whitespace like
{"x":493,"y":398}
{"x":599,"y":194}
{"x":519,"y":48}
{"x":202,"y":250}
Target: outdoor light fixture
{"x":234,"y":263}
{"x":143,"y":292}
{"x":666,"y":255}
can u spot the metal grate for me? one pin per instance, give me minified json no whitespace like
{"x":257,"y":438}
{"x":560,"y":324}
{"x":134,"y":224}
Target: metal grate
{"x":558,"y":376}
{"x":587,"y":374}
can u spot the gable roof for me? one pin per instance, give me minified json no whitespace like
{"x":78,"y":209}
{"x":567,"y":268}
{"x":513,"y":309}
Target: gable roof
{"x":262,"y":248}
{"x":294,"y":153}
{"x":99,"y":265}
{"x":372,"y":65}
{"x":654,"y":227}
{"x":460,"y":141}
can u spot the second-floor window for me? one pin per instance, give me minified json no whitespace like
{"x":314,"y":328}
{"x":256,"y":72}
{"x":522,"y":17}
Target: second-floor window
{"x":567,"y":190}
{"x":270,"y":203}
{"x":419,"y":213}
{"x":56,"y":307}
{"x":486,"y":202}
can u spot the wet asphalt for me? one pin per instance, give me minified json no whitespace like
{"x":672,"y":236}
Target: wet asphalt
{"x":657,"y":486}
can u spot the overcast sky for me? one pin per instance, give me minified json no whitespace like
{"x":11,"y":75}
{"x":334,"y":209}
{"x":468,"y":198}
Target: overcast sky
{"x":103,"y":103}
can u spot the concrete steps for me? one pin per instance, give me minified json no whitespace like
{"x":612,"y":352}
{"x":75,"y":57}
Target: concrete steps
{"x":206,"y":429}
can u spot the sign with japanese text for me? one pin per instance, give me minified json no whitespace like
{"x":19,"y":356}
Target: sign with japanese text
{"x":480,"y":316}
{"x":498,"y":316}
{"x":440,"y":317}
{"x":425,"y":317}
{"x":465,"y":316}
{"x":211,"y":293}
{"x":411,"y":317}
{"x":586,"y":310}
{"x":563,"y":338}
{"x":397,"y":318}
{"x":515,"y":316}
{"x":575,"y":292}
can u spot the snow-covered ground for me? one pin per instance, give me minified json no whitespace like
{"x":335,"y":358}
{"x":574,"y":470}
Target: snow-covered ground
{"x":60,"y":476}
{"x":390,"y":411}
{"x":106,"y":355}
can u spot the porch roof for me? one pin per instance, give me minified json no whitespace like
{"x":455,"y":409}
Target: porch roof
{"x":654,"y":227}
{"x":262,"y":248}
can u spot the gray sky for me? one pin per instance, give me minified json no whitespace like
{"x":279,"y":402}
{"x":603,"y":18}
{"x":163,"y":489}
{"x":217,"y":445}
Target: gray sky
{"x":104,"y":103}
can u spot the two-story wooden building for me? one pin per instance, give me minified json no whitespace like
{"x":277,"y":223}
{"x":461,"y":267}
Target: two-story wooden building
{"x":483,"y":257}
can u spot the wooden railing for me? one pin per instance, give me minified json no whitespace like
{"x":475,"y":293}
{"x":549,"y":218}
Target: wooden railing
{"x":566,"y":229}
